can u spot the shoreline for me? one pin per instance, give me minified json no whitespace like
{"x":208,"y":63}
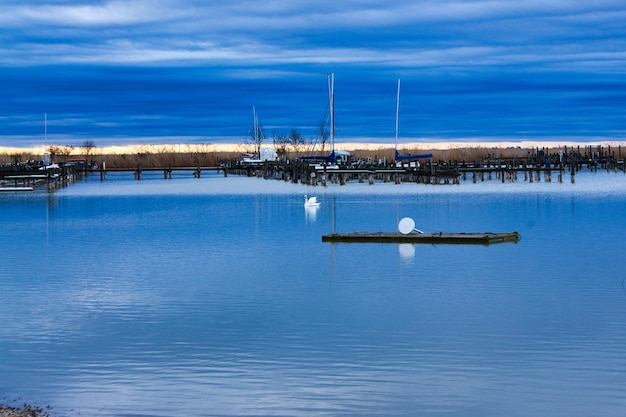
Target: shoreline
{"x":345,"y":146}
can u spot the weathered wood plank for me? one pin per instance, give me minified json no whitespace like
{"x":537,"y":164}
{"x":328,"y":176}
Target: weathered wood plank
{"x":441,"y":238}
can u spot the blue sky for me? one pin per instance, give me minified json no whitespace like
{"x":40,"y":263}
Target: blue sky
{"x":127,"y":72}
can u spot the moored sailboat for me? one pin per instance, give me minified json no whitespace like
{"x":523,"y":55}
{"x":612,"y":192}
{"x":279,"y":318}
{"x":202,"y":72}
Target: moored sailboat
{"x":331,"y":157}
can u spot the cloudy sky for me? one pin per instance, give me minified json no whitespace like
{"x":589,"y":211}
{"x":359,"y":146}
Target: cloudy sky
{"x":189,"y":71}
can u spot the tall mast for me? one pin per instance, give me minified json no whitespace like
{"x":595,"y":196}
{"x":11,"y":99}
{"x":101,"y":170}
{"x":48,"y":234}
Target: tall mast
{"x":397,"y":111}
{"x":45,"y":156}
{"x":331,"y":100}
{"x":256,"y":130}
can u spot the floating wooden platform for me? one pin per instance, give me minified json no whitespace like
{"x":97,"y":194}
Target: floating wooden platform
{"x":441,"y":238}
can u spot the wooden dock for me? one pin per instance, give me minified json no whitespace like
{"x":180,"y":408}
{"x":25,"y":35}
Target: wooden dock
{"x":537,"y":165}
{"x":167,"y":171}
{"x":486,"y":238}
{"x":24,"y":178}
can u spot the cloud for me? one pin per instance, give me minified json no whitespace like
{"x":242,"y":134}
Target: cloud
{"x":500,"y":45}
{"x":248,"y":34}
{"x":114,"y":13}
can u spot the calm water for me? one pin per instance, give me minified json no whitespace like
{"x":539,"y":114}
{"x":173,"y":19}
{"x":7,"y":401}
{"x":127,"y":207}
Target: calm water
{"x":216,"y":297}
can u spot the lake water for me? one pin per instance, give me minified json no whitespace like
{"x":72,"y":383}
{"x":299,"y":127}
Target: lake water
{"x":216,"y":297}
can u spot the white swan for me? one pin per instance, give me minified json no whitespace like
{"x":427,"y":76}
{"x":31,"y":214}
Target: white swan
{"x":311,"y":201}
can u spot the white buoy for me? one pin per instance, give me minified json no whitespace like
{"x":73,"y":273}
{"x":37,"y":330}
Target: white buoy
{"x":407,"y":225}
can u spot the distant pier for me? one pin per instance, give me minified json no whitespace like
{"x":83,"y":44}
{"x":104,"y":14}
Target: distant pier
{"x":540,"y":166}
{"x":138,"y":171}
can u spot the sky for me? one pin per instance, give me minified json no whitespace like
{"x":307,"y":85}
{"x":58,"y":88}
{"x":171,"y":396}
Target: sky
{"x":190,"y":71}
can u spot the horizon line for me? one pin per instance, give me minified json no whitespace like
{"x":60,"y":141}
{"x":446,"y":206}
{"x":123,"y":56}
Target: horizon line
{"x":181,"y":147}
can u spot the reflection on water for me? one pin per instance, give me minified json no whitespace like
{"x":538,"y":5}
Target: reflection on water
{"x":184,"y":297}
{"x":406,"y":251}
{"x":311,"y":213}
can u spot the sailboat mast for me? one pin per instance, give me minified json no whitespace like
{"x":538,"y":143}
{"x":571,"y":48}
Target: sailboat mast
{"x":331,"y":99}
{"x":397,"y":111}
{"x":46,"y":155}
{"x":256,"y":128}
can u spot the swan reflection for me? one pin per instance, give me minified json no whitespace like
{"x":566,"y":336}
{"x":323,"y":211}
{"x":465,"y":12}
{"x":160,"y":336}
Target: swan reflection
{"x":311,"y":213}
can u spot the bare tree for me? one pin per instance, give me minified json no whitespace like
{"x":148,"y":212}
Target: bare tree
{"x":61,"y":151}
{"x":323,"y":133}
{"x":246,"y":147}
{"x":53,"y":150}
{"x":281,"y":141}
{"x":88,"y":147}
{"x":296,"y":141}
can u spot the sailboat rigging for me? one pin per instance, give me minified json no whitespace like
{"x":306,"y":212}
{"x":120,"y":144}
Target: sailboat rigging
{"x":399,"y":157}
{"x":260,"y":154}
{"x":330,"y":158}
